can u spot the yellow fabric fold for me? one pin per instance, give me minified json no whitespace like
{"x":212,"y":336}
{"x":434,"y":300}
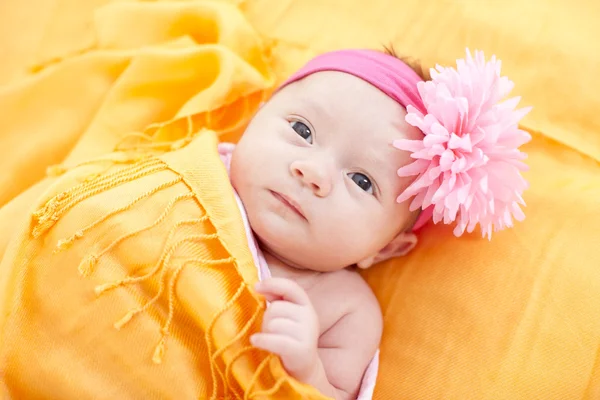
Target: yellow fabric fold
{"x":135,"y":281}
{"x":80,"y":107}
{"x":125,"y":273}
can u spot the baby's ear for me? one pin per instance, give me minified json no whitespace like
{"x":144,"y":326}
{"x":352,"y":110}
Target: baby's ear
{"x":399,"y":246}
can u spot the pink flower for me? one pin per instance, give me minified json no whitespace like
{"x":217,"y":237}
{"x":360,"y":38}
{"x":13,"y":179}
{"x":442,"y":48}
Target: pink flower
{"x":468,"y":165}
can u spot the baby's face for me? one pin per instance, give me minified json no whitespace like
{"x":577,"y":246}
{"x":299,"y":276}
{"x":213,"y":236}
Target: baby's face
{"x":316,"y":172}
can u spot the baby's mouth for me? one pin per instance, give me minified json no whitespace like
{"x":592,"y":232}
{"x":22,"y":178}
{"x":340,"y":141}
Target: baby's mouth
{"x":289,"y":202}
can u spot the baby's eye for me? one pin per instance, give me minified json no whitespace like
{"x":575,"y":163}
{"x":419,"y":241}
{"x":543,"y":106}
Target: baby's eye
{"x":302,"y":130}
{"x":362,"y":181}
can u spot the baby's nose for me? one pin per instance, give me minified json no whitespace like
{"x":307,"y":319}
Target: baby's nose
{"x":313,"y":176}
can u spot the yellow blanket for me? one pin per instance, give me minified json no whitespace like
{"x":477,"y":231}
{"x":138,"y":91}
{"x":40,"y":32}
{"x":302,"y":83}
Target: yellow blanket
{"x":129,"y":276}
{"x":511,"y":319}
{"x":135,"y":282}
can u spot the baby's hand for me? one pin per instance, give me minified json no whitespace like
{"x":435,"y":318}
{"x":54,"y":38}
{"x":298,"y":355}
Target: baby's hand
{"x":290,"y":327}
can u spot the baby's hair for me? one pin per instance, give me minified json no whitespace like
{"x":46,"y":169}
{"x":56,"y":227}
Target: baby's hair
{"x":413,"y":63}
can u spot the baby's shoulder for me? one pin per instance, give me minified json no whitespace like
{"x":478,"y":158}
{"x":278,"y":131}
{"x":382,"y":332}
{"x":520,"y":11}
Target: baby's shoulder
{"x":350,"y":297}
{"x":347,"y":284}
{"x":351,"y":336}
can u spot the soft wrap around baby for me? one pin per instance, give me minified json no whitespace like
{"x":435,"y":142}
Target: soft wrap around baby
{"x":136,"y":282}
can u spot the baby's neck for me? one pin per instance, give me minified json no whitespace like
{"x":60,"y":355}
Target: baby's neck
{"x":279,"y":269}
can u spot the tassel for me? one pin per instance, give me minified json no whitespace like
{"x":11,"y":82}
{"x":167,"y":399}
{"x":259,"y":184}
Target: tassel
{"x":120,"y":323}
{"x":92,"y":177}
{"x":159,"y":351}
{"x":55,"y":170}
{"x":100,"y":289}
{"x":46,"y":216}
{"x":49,"y":208}
{"x":256,"y":376}
{"x":43,"y":226}
{"x":178,"y":144}
{"x":64,"y":244}
{"x":87,"y":265}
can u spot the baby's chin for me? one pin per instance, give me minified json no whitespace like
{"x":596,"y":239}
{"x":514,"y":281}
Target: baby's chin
{"x":278,"y":247}
{"x":300,"y":257}
{"x":294,"y":245}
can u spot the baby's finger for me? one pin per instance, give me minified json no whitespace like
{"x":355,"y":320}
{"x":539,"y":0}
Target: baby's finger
{"x":282,"y":326}
{"x":284,"y":309}
{"x":282,"y":289}
{"x":278,"y":344}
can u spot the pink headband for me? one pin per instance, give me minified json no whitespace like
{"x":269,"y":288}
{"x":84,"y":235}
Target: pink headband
{"x":387,"y":73}
{"x":468,"y":165}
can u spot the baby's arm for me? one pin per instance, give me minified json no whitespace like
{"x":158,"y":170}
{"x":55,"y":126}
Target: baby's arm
{"x":347,"y":348}
{"x":334,"y":363}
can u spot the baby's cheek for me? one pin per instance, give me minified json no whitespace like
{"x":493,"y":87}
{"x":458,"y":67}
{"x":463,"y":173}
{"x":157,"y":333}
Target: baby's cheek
{"x":380,"y":228}
{"x":242,"y":165}
{"x":352,"y":234}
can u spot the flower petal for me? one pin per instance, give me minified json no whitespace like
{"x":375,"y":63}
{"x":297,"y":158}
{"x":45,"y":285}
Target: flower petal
{"x":468,"y":164}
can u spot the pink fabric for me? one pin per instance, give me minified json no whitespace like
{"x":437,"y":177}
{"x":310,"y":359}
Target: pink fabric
{"x":387,"y":73}
{"x":370,"y":376}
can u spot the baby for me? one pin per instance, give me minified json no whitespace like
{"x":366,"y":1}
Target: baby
{"x":349,"y":158}
{"x":317,"y":171}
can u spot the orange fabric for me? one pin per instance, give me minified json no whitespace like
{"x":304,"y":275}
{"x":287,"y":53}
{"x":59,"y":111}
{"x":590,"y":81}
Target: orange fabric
{"x":512,"y":319}
{"x":136,"y":282}
{"x":129,"y":276}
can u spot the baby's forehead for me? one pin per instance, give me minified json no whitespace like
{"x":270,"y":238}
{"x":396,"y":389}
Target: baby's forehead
{"x":347,"y":98}
{"x":376,"y":152}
